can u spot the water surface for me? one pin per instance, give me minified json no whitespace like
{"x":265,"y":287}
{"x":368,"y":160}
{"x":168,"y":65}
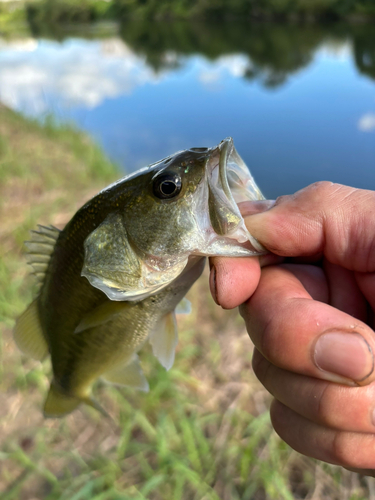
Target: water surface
{"x":299,"y":102}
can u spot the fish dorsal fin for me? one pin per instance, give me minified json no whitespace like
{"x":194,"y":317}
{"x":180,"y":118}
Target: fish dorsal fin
{"x":28,"y":333}
{"x":114,"y":266}
{"x":164,"y":340}
{"x":40,"y":249}
{"x":101,"y":315}
{"x":183,"y":307}
{"x":130,"y":375}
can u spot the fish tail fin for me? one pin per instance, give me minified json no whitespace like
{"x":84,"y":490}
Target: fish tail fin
{"x":59,"y":404}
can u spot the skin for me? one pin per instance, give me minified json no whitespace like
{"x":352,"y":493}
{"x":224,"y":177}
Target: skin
{"x":311,"y":318}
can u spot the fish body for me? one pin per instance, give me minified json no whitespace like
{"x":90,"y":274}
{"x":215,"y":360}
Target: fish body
{"x":113,"y":277}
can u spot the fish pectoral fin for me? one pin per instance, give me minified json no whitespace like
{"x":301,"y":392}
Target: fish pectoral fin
{"x":164,"y":340}
{"x":101,"y":315}
{"x":130,"y":375}
{"x":59,"y":404}
{"x":183,"y":307}
{"x":28,"y":333}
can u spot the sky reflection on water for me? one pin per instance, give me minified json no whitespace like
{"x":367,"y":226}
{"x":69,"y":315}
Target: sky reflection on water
{"x":317,"y":124}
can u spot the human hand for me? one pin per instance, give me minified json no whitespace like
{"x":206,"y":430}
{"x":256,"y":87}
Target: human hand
{"x":311,"y":318}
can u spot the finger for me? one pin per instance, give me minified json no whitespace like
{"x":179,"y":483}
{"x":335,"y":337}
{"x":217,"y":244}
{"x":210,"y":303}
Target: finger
{"x":312,"y":279}
{"x":324,"y":217}
{"x":362,"y":472}
{"x":233,"y":280}
{"x":305,"y":336}
{"x":350,"y":409}
{"x":344,"y":291}
{"x":255,"y":207}
{"x":348,"y":449}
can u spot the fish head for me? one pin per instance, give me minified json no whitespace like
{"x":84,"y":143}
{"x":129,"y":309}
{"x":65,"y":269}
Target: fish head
{"x":181,"y":207}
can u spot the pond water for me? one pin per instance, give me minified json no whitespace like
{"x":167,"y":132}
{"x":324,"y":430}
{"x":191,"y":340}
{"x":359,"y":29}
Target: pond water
{"x":299,"y":102}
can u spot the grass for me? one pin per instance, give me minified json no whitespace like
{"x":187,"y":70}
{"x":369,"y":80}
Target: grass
{"x":202,"y":432}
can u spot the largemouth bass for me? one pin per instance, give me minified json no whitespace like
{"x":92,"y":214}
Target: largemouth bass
{"x":113,"y":277}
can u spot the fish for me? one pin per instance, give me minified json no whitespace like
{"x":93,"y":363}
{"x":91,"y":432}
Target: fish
{"x":113,"y":278}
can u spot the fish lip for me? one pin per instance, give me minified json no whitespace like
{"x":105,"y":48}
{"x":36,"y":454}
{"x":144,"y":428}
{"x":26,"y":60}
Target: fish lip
{"x":229,"y":182}
{"x":217,"y":178}
{"x":230,"y":162}
{"x":218,"y":158}
{"x":225,"y":147}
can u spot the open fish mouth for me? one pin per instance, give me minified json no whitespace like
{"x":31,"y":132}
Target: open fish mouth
{"x":230,"y":182}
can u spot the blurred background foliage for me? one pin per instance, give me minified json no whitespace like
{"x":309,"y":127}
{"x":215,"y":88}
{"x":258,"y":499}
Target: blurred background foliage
{"x":89,"y":10}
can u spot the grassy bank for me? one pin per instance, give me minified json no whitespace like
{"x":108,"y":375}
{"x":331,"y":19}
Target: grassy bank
{"x":203,"y":431}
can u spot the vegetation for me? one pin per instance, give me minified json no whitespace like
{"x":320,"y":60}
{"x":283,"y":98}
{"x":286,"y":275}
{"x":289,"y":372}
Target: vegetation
{"x":13,"y":19}
{"x":203,"y":431}
{"x":67,"y":11}
{"x":290,"y":10}
{"x":275,"y":50}
{"x":257,"y":9}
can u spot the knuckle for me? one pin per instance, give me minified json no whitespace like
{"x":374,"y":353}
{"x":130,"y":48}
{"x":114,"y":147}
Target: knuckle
{"x":317,"y":190}
{"x":268,"y":340}
{"x":354,"y":450}
{"x":333,"y":410}
{"x":261,"y":367}
{"x":323,"y":186}
{"x":343,"y":452}
{"x":282,"y":199}
{"x":323,"y":403}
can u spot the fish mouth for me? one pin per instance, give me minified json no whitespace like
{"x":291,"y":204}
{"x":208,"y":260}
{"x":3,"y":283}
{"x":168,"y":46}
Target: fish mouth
{"x":230,"y":182}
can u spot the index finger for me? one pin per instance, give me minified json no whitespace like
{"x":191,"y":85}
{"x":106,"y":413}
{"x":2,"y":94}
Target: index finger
{"x":327,"y":218}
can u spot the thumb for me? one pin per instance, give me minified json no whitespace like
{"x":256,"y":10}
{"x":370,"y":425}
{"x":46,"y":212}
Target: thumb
{"x":336,"y":220}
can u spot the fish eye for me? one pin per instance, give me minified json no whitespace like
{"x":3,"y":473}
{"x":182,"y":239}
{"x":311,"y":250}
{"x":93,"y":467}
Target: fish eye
{"x":167,"y":186}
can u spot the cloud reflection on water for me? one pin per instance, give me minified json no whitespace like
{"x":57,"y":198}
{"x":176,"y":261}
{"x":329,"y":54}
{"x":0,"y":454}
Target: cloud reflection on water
{"x":38,"y":77}
{"x":74,"y":73}
{"x":367,"y":122}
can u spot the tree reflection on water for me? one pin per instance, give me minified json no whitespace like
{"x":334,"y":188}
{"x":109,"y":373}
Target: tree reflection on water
{"x":275,"y":51}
